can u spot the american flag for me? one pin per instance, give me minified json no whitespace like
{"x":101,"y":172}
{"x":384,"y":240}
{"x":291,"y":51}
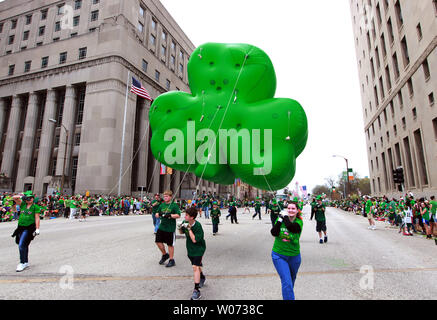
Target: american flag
{"x":138,"y":89}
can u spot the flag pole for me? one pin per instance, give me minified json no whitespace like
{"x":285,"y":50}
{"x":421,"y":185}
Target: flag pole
{"x":124,"y":129}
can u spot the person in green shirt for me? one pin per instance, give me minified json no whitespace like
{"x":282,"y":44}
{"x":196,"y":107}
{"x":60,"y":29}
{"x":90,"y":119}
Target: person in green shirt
{"x":169,"y":212}
{"x":84,"y":204}
{"x":286,"y":248}
{"x":28,"y":226}
{"x":433,"y":217}
{"x":319,"y":215}
{"x":155,"y":206}
{"x":275,"y":209}
{"x":369,"y":213}
{"x":424,"y":211}
{"x":257,"y":209}
{"x":215,"y":217}
{"x":196,"y":247}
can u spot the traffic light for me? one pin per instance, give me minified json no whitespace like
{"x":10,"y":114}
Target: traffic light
{"x":398,"y":175}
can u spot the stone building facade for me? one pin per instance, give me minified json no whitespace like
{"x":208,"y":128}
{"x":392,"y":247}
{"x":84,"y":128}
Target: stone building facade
{"x":397,"y":61}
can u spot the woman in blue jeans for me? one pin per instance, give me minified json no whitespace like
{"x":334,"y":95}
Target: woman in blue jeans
{"x":286,"y":248}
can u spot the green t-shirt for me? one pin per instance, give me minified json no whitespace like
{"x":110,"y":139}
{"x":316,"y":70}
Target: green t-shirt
{"x":368,"y":206}
{"x":168,"y":224}
{"x":319,"y":213}
{"x":27,"y":216}
{"x":155,"y":208}
{"x":287,"y":243}
{"x":275,"y":209}
{"x":434,"y":206}
{"x":196,"y":249}
{"x":425,"y":214}
{"x":73,"y":204}
{"x":215,"y":215}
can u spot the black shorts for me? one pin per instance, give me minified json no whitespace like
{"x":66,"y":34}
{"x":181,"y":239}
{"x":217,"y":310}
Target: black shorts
{"x":321,"y":226}
{"x":168,"y":238}
{"x":196,"y":261}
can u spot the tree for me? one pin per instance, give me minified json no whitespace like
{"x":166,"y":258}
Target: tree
{"x":319,"y":189}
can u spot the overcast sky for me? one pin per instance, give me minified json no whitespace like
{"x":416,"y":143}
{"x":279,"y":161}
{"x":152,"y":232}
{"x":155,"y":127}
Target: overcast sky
{"x":311,"y":45}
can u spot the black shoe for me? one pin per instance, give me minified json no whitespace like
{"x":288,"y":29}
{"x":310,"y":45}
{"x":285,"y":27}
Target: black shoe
{"x":164,"y":258}
{"x":326,"y":239}
{"x":170,"y":263}
{"x":196,"y":295}
{"x":202,"y":282}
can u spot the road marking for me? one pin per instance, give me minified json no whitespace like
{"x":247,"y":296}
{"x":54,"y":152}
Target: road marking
{"x":172,"y":278}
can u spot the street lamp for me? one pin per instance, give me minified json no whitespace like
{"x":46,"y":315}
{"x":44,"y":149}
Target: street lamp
{"x":347,"y":175}
{"x":65,"y":154}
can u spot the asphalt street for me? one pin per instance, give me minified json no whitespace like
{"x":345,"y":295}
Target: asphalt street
{"x":116,"y":258}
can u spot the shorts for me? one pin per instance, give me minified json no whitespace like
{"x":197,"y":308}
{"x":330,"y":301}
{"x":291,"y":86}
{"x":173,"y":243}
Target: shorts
{"x":168,"y":238}
{"x":426,"y":222}
{"x":321,"y":226}
{"x":196,"y":261}
{"x":369,"y":215}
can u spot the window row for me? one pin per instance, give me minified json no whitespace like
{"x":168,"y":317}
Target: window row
{"x":45,"y":61}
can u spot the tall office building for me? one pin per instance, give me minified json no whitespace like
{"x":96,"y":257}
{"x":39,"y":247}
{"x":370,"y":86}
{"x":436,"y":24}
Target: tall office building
{"x":63,"y":86}
{"x":397,"y":60}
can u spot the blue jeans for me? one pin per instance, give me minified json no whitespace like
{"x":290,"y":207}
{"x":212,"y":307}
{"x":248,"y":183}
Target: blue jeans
{"x":205,"y":209}
{"x":287,"y":268}
{"x":157,"y":223}
{"x":24,"y":247}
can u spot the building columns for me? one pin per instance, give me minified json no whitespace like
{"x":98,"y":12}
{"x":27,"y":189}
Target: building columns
{"x":45,"y":147}
{"x":10,"y":148}
{"x":26,"y":152}
{"x":143,"y":143}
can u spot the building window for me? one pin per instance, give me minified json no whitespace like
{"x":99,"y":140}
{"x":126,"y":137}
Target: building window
{"x":144,"y":65}
{"x":94,"y":15}
{"x":399,"y":17}
{"x":41,"y":31}
{"x":153,"y":24}
{"x":77,"y":139}
{"x":173,"y":45}
{"x":404,"y":123}
{"x":157,"y":75}
{"x":28,"y":19}
{"x":1,"y":27}
{"x":11,"y":39}
{"x":414,"y":111}
{"x":76,"y":20}
{"x":167,"y":84}
{"x":426,"y":71}
{"x":39,"y":44}
{"x":54,"y":160}
{"x":410,"y":87}
{"x":11,"y":70}
{"x":57,"y":138}
{"x":60,"y":9}
{"x":44,"y":14}
{"x":172,"y":60}
{"x":387,"y":77}
{"x":96,"y":1}
{"x":74,"y":34}
{"x":431,"y":99}
{"x":164,"y":36}
{"x":44,"y":62}
{"x":57,"y":26}
{"x":396,"y":66}
{"x":181,"y":56}
{"x":434,"y":124}
{"x":141,"y":11}
{"x":81,"y":104}
{"x":163,"y":51}
{"x":181,"y":68}
{"x":152,"y":40}
{"x":82,"y":53}
{"x":14,"y":24}
{"x":405,"y":54}
{"x":25,"y":35}
{"x":77,"y":4}
{"x":27,"y":66}
{"x":140,"y":27}
{"x":62,"y":57}
{"x":419,"y":32}
{"x":390,"y":31}
{"x":395,"y":130}
{"x":55,"y":39}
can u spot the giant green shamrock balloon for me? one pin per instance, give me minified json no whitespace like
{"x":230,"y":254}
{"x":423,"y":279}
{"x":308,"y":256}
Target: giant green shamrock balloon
{"x":230,"y":126}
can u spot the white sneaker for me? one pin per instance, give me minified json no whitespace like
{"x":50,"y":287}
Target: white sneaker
{"x":373,"y":228}
{"x":22,"y":266}
{"x":369,"y":227}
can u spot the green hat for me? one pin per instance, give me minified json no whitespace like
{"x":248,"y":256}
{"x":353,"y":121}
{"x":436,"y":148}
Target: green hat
{"x":29,"y":194}
{"x":319,"y":198}
{"x":295,"y":199}
{"x":214,"y":202}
